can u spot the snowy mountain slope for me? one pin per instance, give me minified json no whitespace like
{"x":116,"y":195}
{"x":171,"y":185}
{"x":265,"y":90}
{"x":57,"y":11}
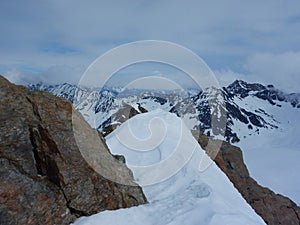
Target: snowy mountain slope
{"x":231,"y":103}
{"x":272,"y":156}
{"x":63,"y":90}
{"x":262,"y":120}
{"x":98,"y":106}
{"x":235,"y":110}
{"x":188,"y":197}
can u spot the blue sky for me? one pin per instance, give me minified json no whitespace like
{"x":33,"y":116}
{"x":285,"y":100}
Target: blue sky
{"x":55,"y":41}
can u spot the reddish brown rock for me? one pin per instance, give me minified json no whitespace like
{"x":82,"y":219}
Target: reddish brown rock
{"x":273,"y":208}
{"x":44,"y":178}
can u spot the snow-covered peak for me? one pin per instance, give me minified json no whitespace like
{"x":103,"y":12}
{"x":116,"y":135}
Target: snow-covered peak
{"x":269,"y":93}
{"x":243,"y":88}
{"x":65,"y":90}
{"x":241,"y":104}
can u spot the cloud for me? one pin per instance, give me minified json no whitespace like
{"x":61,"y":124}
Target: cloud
{"x":152,"y":75}
{"x":226,"y":77}
{"x":226,"y":34}
{"x":53,"y":75}
{"x":282,"y":70}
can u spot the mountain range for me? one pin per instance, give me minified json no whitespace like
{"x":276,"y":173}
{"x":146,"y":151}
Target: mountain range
{"x":230,"y":113}
{"x":260,"y":119}
{"x":52,"y":159}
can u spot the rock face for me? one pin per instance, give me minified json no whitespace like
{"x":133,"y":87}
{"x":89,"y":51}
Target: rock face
{"x":44,"y":178}
{"x":273,"y":208}
{"x":122,"y":115}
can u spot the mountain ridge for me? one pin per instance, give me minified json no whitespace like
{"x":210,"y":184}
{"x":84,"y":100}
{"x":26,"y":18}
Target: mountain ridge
{"x":227,"y":164}
{"x":199,"y":111}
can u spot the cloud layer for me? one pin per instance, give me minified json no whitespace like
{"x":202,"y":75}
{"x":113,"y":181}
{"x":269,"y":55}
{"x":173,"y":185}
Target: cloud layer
{"x":282,"y":70}
{"x":246,"y":38}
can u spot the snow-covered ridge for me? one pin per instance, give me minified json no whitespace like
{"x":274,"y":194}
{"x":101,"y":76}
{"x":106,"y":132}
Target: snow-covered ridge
{"x":188,"y":197}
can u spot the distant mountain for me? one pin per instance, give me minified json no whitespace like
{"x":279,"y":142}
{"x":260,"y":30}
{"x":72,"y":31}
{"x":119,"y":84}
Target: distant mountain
{"x":233,"y":112}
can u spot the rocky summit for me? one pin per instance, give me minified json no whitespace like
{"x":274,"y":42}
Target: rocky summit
{"x":44,"y":177}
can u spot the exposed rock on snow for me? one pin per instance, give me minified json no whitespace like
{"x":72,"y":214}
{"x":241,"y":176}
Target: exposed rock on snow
{"x":43,"y":177}
{"x":120,"y":117}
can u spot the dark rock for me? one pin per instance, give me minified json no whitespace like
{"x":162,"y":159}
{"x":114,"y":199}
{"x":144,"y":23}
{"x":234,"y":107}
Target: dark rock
{"x":104,"y":102}
{"x":44,"y":177}
{"x":119,"y":117}
{"x":157,"y":99}
{"x":273,"y":208}
{"x":141,"y":109}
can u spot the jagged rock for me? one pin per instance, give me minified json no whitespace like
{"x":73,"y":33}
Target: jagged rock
{"x":269,"y":93}
{"x":120,"y":117}
{"x":273,"y":208}
{"x":44,"y":178}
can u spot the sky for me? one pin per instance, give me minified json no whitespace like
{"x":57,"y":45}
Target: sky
{"x":165,"y":77}
{"x":55,"y":41}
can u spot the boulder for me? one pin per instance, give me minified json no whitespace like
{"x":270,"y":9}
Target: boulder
{"x":45,"y":176}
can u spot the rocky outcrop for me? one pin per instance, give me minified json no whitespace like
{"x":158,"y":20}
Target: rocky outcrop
{"x":122,"y":115}
{"x":273,"y":208}
{"x":44,"y":178}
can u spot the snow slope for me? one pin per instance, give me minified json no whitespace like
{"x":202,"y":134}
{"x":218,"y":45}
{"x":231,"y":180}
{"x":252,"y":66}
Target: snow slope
{"x":188,"y":197}
{"x":272,"y":156}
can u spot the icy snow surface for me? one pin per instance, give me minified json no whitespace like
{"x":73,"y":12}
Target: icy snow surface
{"x":273,"y":155}
{"x":189,"y":197}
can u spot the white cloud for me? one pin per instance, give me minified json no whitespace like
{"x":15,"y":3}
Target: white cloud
{"x":54,"y":33}
{"x":226,"y":77}
{"x":282,"y":70}
{"x":53,"y":75}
